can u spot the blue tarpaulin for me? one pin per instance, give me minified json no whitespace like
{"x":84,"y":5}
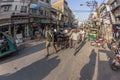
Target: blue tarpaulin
{"x":35,"y":6}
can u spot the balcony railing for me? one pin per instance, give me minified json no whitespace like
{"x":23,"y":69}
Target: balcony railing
{"x":115,"y":6}
{"x":117,"y":14}
{"x":111,"y":1}
{"x":5,"y":15}
{"x":20,"y":21}
{"x":7,"y":0}
{"x":5,"y":21}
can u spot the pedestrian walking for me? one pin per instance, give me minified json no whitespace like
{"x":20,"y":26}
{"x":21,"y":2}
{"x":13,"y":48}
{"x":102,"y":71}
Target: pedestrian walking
{"x":75,"y":37}
{"x":118,"y":34}
{"x":118,"y":37}
{"x":79,"y":36}
{"x":82,"y":32}
{"x":49,"y":40}
{"x":43,"y":33}
{"x":40,"y":33}
{"x":69,"y":34}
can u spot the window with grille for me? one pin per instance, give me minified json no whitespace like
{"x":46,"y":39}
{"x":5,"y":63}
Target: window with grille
{"x":41,"y":12}
{"x":34,"y":11}
{"x":42,"y":0}
{"x":16,"y":8}
{"x":47,"y":1}
{"x":5,"y":8}
{"x":23,"y":9}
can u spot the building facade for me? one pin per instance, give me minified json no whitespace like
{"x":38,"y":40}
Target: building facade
{"x":66,"y":18}
{"x":115,"y":8}
{"x":14,"y":18}
{"x":22,"y":18}
{"x":93,"y":19}
{"x":106,"y":25}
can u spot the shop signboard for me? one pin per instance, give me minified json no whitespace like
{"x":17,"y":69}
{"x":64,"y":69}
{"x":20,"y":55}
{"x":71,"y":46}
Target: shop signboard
{"x":19,"y":38}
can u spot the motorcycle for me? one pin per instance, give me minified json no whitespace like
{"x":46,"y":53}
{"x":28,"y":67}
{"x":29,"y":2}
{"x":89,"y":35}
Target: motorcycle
{"x":116,"y":61}
{"x":114,"y":45}
{"x":99,"y":42}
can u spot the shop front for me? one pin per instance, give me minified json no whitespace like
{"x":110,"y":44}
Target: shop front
{"x":44,"y":22}
{"x":34,"y":26}
{"x":5,"y":26}
{"x":116,"y":31}
{"x":21,"y":32}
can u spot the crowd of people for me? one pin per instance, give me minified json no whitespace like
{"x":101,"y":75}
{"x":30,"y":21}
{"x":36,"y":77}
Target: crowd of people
{"x":75,"y":36}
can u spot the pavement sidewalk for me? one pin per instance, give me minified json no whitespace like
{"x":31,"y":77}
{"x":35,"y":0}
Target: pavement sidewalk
{"x":29,"y":43}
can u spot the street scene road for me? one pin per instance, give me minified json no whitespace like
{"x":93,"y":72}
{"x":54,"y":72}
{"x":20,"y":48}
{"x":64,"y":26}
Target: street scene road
{"x":90,"y":63}
{"x":59,"y":39}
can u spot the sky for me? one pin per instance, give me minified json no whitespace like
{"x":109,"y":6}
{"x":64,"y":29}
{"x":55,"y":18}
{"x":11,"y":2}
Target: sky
{"x":75,"y":5}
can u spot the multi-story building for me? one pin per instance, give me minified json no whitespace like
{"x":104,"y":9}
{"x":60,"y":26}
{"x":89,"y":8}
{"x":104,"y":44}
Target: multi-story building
{"x":22,"y":18}
{"x":106,"y":19}
{"x":54,"y":16}
{"x":115,"y":8}
{"x":115,"y":5}
{"x":70,"y":17}
{"x":45,"y":11}
{"x":62,"y":5}
{"x":93,"y":19}
{"x":14,"y":17}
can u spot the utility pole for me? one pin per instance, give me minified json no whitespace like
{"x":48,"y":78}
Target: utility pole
{"x":0,"y":13}
{"x":29,"y":8}
{"x":29,"y":19}
{"x":0,"y":5}
{"x":92,"y":5}
{"x":98,"y":14}
{"x":97,"y":9}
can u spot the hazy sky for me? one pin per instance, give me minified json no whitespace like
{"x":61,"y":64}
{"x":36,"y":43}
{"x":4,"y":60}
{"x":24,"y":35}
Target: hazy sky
{"x":75,"y":5}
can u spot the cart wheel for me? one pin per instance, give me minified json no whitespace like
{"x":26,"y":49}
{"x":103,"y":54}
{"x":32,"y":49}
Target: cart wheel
{"x":114,"y":67}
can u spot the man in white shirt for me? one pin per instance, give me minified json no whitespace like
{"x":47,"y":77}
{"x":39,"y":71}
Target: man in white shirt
{"x":82,"y":32}
{"x":74,"y":38}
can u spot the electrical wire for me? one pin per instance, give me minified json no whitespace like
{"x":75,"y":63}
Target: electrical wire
{"x":103,"y":1}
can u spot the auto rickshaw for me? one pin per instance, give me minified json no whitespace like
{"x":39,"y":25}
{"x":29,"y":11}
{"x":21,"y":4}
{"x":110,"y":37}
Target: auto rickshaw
{"x":93,"y":34}
{"x":7,"y":44}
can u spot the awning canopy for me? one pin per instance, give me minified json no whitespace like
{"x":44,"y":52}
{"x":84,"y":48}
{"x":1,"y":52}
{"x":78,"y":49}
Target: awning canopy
{"x":45,"y":21}
{"x":35,"y":6}
{"x":5,"y":24}
{"x":5,"y":15}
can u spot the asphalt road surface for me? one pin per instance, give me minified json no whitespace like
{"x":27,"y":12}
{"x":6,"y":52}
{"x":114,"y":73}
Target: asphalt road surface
{"x":88,"y":63}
